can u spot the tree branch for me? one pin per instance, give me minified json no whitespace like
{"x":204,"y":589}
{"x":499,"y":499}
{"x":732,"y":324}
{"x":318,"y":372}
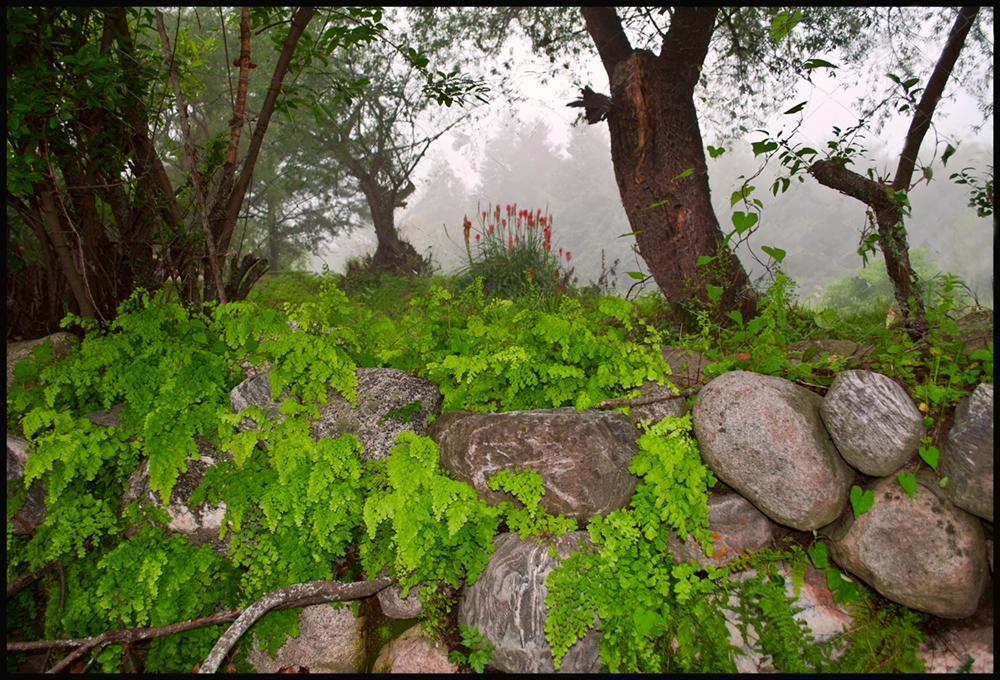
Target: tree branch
{"x":299,"y":595}
{"x":199,"y":193}
{"x":324,"y":591}
{"x":642,"y":401}
{"x":605,"y":27}
{"x":932,"y":95}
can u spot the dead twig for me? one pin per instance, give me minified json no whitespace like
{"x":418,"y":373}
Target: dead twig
{"x":642,"y":401}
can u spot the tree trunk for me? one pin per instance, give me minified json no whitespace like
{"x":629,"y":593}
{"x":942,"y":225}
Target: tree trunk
{"x":888,"y":213}
{"x":659,"y":157}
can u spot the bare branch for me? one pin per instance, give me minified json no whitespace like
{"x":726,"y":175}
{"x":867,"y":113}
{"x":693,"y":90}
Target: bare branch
{"x":325,"y":591}
{"x":199,"y":193}
{"x":642,"y":401}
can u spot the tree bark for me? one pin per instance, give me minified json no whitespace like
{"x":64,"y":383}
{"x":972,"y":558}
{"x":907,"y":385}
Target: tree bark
{"x":888,"y":214}
{"x":659,"y":156}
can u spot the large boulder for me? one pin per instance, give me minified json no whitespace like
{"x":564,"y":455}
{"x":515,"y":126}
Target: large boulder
{"x":200,"y":524}
{"x":922,"y":552}
{"x":737,"y":527}
{"x":62,"y":345}
{"x":389,"y":401}
{"x":873,"y":422}
{"x":764,"y":437}
{"x":330,"y":641}
{"x":32,"y":512}
{"x":413,"y":652}
{"x":967,"y":454}
{"x":507,"y":605}
{"x":582,"y":458}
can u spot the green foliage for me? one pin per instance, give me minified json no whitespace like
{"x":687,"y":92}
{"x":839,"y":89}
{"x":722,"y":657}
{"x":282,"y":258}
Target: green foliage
{"x":426,"y":527}
{"x":532,"y":519}
{"x":644,"y":601}
{"x":883,"y":639}
{"x":861,"y":501}
{"x":480,"y":649}
{"x":843,"y":588}
{"x":499,"y":357}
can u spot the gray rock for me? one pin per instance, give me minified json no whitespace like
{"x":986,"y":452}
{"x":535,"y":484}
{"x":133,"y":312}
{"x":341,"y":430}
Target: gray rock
{"x":687,"y":366}
{"x":507,"y":605}
{"x":201,"y":524}
{"x":873,"y":422}
{"x":394,"y":605}
{"x":922,"y":552}
{"x":974,"y":329}
{"x":967,"y":454}
{"x":390,"y":401}
{"x":32,"y":512}
{"x":657,"y":411}
{"x":582,"y":458}
{"x":256,"y":391}
{"x":413,"y":652}
{"x":330,"y":641}
{"x":62,"y":345}
{"x":764,"y":437}
{"x":738,"y":526}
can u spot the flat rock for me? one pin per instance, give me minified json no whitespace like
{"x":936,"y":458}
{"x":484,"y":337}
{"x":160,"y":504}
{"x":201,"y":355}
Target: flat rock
{"x":582,"y":458}
{"x":923,"y":552}
{"x":873,"y":422}
{"x":507,"y":605}
{"x":967,"y":454}
{"x":764,"y":437}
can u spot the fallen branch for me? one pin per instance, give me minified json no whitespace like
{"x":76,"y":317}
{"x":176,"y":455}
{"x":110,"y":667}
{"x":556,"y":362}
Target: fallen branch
{"x":299,"y":595}
{"x":642,"y":401}
{"x":317,"y":591}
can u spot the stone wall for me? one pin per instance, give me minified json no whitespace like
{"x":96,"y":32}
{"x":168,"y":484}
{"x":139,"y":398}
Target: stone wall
{"x":787,"y":456}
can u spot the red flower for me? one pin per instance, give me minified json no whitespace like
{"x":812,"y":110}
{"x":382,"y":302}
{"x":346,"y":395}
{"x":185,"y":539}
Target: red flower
{"x":531,"y":272}
{"x":477,"y":238}
{"x":567,"y":255}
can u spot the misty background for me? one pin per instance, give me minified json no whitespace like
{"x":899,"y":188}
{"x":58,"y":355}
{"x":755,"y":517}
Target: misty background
{"x":537,"y":153}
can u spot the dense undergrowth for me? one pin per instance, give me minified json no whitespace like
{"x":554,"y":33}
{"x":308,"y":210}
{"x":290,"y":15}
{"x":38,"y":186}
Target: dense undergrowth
{"x":299,"y":510}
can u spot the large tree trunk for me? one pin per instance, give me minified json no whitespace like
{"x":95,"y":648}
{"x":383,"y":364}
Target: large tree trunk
{"x":659,"y":158}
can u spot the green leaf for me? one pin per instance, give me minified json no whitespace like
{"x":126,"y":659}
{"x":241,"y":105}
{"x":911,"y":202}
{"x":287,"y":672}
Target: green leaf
{"x":638,"y":276}
{"x":819,"y":555}
{"x":740,"y":194}
{"x":686,"y":173}
{"x":631,"y":233}
{"x":713,"y":291}
{"x":930,"y":454}
{"x":795,"y":109}
{"x":764,"y":147}
{"x":819,"y":63}
{"x":742,"y":221}
{"x":948,"y":153}
{"x":777,"y":253}
{"x":704,"y":259}
{"x":736,"y":316}
{"x":908,"y":481}
{"x":861,"y":501}
{"x":783,"y":23}
{"x":714,"y":152}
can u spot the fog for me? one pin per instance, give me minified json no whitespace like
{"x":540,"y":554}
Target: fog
{"x":537,"y":154}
